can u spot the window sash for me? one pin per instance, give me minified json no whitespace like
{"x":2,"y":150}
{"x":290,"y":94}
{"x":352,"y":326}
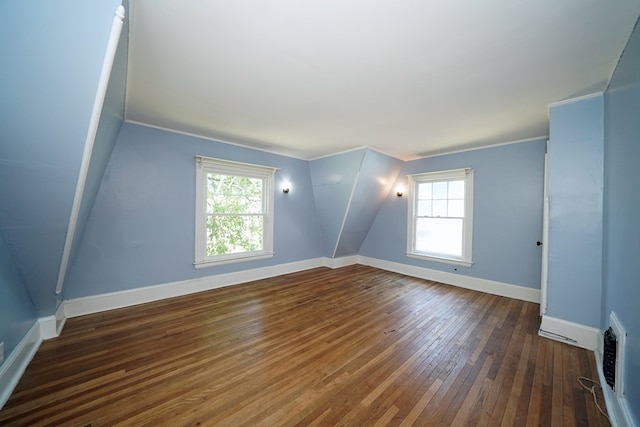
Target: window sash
{"x":419,"y":214}
{"x":205,"y":167}
{"x":263,"y":196}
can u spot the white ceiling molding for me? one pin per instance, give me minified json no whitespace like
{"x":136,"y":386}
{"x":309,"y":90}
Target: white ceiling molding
{"x":410,"y":78}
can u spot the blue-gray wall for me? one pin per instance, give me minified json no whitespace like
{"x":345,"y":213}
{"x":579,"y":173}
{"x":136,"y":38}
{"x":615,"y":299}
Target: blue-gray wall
{"x":377,"y":174}
{"x":349,"y":189}
{"x":334,"y":179}
{"x":576,"y":175}
{"x":17,"y":313}
{"x":141,"y":230}
{"x":52,"y":54}
{"x":622,"y":209}
{"x":507,"y":214}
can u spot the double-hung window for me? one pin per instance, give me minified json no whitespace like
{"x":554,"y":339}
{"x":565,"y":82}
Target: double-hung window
{"x":234,"y":212}
{"x":440,"y":216}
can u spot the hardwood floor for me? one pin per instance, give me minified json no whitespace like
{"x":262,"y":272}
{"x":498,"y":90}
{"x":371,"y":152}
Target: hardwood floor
{"x":354,"y":346}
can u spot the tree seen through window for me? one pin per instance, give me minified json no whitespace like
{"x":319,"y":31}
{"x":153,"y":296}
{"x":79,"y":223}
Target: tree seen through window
{"x":235,"y":214}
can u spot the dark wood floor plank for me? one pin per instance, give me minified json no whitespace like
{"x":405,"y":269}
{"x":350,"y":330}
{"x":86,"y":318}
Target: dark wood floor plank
{"x":353,"y":346}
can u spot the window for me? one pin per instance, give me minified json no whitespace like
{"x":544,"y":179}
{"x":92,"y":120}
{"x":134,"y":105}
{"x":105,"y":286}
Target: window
{"x":440,"y":216}
{"x":234,"y":212}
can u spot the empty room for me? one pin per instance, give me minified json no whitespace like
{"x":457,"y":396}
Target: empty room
{"x":350,"y":213}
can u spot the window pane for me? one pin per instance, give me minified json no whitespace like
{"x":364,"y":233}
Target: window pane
{"x":440,"y":190}
{"x":439,"y":208}
{"x":456,"y":208}
{"x":442,"y":236}
{"x":234,"y":194}
{"x":424,"y":190}
{"x":456,"y":189}
{"x":424,"y":208}
{"x":234,"y":234}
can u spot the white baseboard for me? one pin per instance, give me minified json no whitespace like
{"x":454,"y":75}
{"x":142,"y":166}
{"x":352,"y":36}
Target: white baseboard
{"x":48,"y":327}
{"x":15,"y":364}
{"x":570,"y":332}
{"x":340,"y":262}
{"x":483,"y":285}
{"x":618,"y":408}
{"x":51,"y":326}
{"x":110,"y":301}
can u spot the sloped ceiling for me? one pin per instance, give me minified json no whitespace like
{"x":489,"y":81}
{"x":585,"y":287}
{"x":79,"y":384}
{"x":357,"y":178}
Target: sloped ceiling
{"x":408,"y":78}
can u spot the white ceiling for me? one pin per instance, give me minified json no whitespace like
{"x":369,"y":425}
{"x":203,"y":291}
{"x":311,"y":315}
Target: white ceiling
{"x":409,"y":78}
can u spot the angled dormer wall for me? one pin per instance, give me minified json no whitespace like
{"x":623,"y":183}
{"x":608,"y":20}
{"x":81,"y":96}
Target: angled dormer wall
{"x":111,"y":119}
{"x":17,"y":313}
{"x":377,"y":174}
{"x":349,"y":189}
{"x":52,"y":55}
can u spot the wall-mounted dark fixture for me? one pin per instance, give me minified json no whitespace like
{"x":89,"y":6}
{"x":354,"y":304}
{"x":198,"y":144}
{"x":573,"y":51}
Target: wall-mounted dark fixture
{"x":399,"y":191}
{"x":286,"y":187}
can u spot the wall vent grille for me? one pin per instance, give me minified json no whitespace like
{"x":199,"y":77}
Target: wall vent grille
{"x":620,"y":335}
{"x":609,"y":357}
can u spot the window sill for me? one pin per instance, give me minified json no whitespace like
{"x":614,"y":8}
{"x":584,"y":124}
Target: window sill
{"x":232,"y":259}
{"x":451,"y":261}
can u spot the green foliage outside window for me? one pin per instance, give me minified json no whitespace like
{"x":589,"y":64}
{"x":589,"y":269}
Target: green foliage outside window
{"x":235,"y":214}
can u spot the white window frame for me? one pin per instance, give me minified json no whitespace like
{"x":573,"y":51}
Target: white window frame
{"x":467,"y":230}
{"x":206,"y":165}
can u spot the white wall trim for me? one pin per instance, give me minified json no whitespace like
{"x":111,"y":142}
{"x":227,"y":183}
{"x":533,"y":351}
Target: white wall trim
{"x":61,"y":318}
{"x":576,"y":99}
{"x":340,"y":262}
{"x":113,"y":300}
{"x":48,"y":327}
{"x":346,"y":213}
{"x":98,"y":103}
{"x":16,"y":363}
{"x":475,"y":148}
{"x":220,"y":140}
{"x":120,"y":299}
{"x":51,"y":326}
{"x":462,"y":281}
{"x":618,"y":408}
{"x":570,"y":332}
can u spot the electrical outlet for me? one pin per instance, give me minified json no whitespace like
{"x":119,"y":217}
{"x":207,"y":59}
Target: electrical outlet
{"x":1,"y":352}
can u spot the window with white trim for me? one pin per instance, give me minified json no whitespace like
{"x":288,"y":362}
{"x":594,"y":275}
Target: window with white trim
{"x":441,"y":216}
{"x":234,"y":212}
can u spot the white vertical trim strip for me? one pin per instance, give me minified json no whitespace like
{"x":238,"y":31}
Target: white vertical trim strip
{"x":107,"y":65}
{"x":544,"y":273}
{"x":346,"y":213}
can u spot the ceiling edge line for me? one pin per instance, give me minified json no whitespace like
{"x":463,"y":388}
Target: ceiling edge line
{"x":576,"y":99}
{"x":208,"y":138}
{"x":361,"y":147}
{"x":624,"y":48}
{"x":499,"y":144}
